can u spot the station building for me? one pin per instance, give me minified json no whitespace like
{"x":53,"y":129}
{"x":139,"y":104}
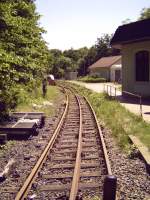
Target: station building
{"x":108,"y":68}
{"x":134,"y":41}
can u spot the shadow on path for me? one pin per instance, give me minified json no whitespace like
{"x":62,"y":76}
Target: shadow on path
{"x":132,"y":100}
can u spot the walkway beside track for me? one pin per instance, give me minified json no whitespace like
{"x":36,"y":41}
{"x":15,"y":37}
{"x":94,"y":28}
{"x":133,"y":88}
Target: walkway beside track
{"x":132,"y":106}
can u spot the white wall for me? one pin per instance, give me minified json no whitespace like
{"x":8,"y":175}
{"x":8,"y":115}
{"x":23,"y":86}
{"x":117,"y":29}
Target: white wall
{"x":113,"y":70}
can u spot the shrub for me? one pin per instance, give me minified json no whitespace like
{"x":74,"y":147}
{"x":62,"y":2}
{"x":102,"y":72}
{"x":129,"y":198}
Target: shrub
{"x":92,"y":79}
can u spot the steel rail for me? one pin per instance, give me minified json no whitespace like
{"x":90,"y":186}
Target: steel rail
{"x":103,"y":144}
{"x":102,"y":140}
{"x":27,"y":184}
{"x":76,"y":174}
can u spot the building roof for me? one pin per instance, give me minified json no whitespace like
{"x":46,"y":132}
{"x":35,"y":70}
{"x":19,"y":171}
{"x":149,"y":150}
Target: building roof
{"x":136,"y":31}
{"x":106,"y":62}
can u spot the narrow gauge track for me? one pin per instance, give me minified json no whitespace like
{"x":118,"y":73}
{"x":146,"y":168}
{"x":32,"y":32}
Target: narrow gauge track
{"x":75,"y":161}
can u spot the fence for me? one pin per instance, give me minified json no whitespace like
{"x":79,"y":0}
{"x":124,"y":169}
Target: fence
{"x":112,"y":91}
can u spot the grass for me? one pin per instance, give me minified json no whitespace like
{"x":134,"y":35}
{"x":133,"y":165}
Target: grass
{"x":118,"y":119}
{"x":92,"y":198}
{"x":6,"y":147}
{"x":54,"y":96}
{"x":92,"y":79}
{"x":35,"y":102}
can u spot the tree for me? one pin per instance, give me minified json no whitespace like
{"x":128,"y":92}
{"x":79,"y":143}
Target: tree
{"x":56,"y":52}
{"x":126,"y":21}
{"x":86,"y":61}
{"x":145,"y":14}
{"x":100,"y":49}
{"x":73,"y":54}
{"x":76,"y":56}
{"x":102,"y":46}
{"x":23,"y":52}
{"x":60,"y":65}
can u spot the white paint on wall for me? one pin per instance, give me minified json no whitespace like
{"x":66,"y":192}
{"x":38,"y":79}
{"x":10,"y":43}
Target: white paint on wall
{"x":113,"y":70}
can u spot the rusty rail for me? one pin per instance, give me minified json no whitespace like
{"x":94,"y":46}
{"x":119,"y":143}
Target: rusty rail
{"x":110,"y":181}
{"x":27,"y":185}
{"x":76,"y":175}
{"x":102,"y":140}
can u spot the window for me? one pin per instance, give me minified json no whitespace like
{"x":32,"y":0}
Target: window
{"x":142,"y":66}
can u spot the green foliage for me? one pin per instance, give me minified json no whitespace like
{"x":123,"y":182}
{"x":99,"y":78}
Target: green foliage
{"x":87,"y":61}
{"x":92,"y":79}
{"x":23,"y":52}
{"x":145,"y":13}
{"x":80,"y":59}
{"x":126,"y":21}
{"x":73,"y":54}
{"x":97,"y":51}
{"x":62,"y":62}
{"x":34,"y":101}
{"x":6,"y":147}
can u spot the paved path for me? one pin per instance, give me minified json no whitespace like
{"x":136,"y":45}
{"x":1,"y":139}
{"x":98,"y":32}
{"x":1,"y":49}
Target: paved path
{"x":131,"y":104}
{"x":96,"y":87}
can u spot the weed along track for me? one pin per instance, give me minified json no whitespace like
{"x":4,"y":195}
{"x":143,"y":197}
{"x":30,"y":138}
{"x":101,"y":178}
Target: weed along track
{"x":74,"y":163}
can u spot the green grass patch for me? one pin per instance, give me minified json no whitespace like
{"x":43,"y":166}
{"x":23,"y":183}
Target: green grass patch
{"x":35,"y":102}
{"x":117,"y":118}
{"x":6,"y":147}
{"x":92,"y":198}
{"x":92,"y":79}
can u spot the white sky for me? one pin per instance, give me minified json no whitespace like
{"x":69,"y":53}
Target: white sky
{"x":78,"y":23}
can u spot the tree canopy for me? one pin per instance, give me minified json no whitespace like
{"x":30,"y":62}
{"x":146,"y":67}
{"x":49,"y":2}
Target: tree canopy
{"x":79,"y":59}
{"x":23,"y":52}
{"x":25,"y":58}
{"x":145,"y":14}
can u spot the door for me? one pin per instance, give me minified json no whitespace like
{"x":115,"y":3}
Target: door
{"x":117,"y":75}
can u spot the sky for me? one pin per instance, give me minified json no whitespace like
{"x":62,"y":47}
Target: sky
{"x":78,"y":23}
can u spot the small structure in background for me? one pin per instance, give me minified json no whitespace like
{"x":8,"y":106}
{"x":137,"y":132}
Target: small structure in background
{"x":108,"y":68}
{"x":134,"y":41}
{"x":51,"y":79}
{"x":71,"y":75}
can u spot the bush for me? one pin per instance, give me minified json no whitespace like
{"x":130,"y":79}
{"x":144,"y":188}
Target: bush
{"x":92,"y":79}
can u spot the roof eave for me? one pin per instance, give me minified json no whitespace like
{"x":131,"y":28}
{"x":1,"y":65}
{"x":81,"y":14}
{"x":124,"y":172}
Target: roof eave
{"x":108,"y":66}
{"x":116,"y":46}
{"x":119,"y":44}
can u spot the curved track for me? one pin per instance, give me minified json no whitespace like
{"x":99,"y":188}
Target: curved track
{"x":75,"y":161}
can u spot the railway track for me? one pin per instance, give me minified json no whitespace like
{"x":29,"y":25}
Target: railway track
{"x":74,"y":164}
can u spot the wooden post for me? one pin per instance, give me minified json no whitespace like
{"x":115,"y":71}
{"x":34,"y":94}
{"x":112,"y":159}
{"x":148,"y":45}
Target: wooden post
{"x":141,"y":106}
{"x":110,"y":187}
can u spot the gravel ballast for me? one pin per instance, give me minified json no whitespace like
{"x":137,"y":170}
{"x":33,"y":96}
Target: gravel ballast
{"x":25,"y":153}
{"x":133,"y":181}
